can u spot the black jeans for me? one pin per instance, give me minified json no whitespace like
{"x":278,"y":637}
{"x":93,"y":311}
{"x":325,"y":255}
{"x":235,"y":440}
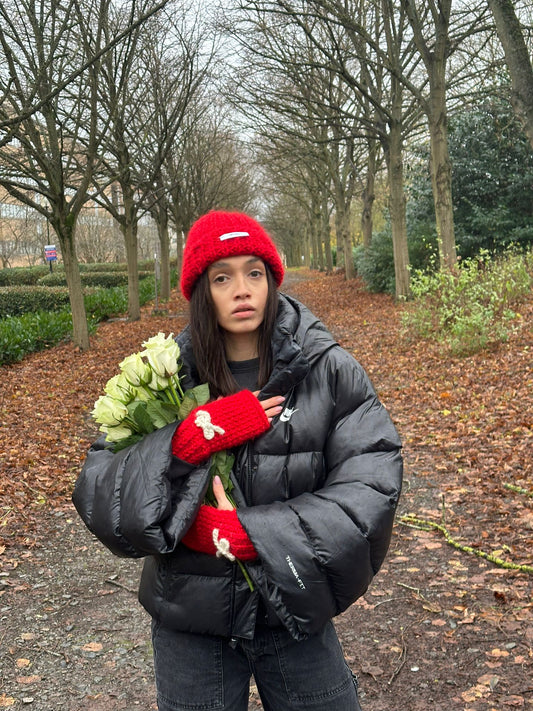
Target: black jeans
{"x":196,"y":672}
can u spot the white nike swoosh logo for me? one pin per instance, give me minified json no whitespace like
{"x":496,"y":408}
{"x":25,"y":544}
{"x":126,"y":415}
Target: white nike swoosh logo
{"x":287,"y":414}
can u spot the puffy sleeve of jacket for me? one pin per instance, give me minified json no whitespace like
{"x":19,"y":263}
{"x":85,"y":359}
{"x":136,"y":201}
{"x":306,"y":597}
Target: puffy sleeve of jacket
{"x":320,"y":550}
{"x":141,"y":500}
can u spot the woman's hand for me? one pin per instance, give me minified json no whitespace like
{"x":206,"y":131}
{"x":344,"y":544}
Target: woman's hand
{"x":272,"y":406}
{"x":220,"y":495}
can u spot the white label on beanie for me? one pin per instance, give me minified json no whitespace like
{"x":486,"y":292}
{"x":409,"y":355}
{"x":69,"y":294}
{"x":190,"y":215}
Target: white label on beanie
{"x":231,"y":235}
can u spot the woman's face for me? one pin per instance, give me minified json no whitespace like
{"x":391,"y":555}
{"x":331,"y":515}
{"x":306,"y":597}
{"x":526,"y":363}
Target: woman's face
{"x":239,"y":289}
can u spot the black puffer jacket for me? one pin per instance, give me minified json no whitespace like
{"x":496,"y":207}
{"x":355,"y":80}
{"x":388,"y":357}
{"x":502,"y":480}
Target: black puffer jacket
{"x":316,"y":494}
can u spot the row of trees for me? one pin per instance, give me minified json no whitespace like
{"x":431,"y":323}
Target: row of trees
{"x":134,"y":107}
{"x":111,"y":104}
{"x":340,"y":89}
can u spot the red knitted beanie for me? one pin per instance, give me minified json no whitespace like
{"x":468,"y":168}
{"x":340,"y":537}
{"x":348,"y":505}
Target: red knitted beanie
{"x":221,"y":234}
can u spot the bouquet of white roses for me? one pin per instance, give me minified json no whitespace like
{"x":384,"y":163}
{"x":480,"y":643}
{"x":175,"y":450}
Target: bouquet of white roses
{"x":147,"y":395}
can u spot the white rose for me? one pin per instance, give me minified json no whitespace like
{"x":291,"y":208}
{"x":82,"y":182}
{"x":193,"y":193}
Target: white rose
{"x":162,"y":354}
{"x":135,"y":370}
{"x":115,"y":434}
{"x":118,"y":388}
{"x":108,"y":411}
{"x":158,"y":382}
{"x":142,"y":395}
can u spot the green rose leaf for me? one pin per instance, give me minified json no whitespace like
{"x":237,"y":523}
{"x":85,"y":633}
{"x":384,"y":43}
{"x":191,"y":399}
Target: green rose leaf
{"x":162,"y":413}
{"x":221,"y":464}
{"x":201,"y":393}
{"x":140,"y":416}
{"x":123,"y":443}
{"x":193,"y":398}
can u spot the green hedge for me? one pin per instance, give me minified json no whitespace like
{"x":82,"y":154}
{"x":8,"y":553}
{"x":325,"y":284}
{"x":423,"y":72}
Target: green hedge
{"x":21,"y":335}
{"x":18,"y":276}
{"x":17,"y":300}
{"x":106,"y":279}
{"x":104,"y":267}
{"x":144,"y":265}
{"x":32,"y":332}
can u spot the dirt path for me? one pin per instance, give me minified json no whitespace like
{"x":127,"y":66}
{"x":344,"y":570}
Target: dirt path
{"x":438,"y":629}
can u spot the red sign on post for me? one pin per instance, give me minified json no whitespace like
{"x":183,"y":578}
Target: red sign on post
{"x":50,"y":253}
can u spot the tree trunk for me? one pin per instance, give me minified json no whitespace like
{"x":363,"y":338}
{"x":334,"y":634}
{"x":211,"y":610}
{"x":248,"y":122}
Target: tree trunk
{"x":180,"y":243}
{"x":129,"y":231}
{"x":342,"y":226}
{"x":180,"y":227}
{"x":518,"y":61}
{"x":307,"y":247}
{"x":441,"y":169}
{"x":326,"y":232}
{"x":394,"y":159}
{"x":164,"y":242}
{"x":340,"y":249}
{"x":318,"y":254}
{"x":368,"y":196}
{"x":80,"y":331}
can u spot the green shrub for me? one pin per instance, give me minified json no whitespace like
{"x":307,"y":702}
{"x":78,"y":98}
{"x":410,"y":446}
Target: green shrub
{"x":31,"y":332}
{"x":375,"y":264}
{"x":17,"y":300}
{"x":104,"y":267}
{"x":19,"y":276}
{"x":472,"y":306}
{"x":147,"y":290}
{"x":101,"y":304}
{"x":105,"y":279}
{"x":25,"y":334}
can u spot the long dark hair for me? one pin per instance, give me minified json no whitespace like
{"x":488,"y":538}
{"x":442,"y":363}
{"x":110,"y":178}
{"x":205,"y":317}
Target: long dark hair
{"x":208,"y":338}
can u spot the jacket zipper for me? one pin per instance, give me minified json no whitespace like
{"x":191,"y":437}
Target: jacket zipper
{"x":233,"y":585}
{"x":243,"y":471}
{"x":249,"y":472}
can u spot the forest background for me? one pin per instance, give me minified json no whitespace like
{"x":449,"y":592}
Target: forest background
{"x":339,"y":124}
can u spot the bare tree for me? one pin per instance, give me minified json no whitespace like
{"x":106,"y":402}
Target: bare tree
{"x":289,"y":91}
{"x":292,"y":177}
{"x":55,"y":146}
{"x":287,"y":220}
{"x":518,"y":59}
{"x":96,"y":237}
{"x":146,"y":87}
{"x":372,"y":52}
{"x":11,"y":121}
{"x":50,"y":126}
{"x":23,"y":234}
{"x":207,"y":167}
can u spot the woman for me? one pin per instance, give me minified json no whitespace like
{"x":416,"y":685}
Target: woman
{"x":317,"y":476}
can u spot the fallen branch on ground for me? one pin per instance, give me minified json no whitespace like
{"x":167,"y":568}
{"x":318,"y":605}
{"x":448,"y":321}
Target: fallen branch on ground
{"x":424,"y":525}
{"x":518,"y":490}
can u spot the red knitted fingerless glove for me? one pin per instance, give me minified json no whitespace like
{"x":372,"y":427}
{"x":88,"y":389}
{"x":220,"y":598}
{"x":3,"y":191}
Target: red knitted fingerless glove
{"x":219,"y":425}
{"x":224,"y":527}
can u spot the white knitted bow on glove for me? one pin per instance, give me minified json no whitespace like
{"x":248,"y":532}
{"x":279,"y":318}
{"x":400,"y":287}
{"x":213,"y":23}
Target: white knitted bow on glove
{"x":203,"y":420}
{"x":222,"y":546}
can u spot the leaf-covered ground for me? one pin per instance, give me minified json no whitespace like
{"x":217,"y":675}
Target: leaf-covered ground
{"x":441,"y":627}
